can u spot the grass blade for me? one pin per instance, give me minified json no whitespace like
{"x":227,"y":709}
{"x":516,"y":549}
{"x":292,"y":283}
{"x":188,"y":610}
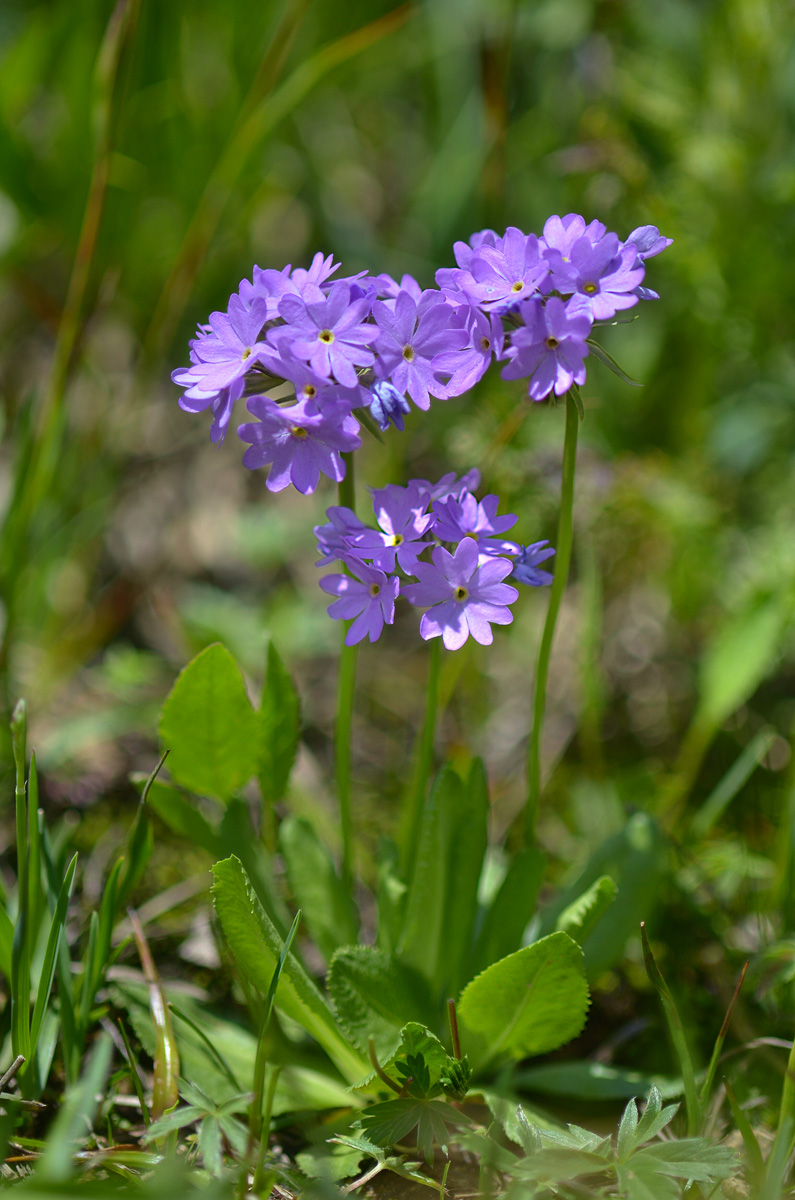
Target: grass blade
{"x":676,"y":1029}
{"x":734,"y":779}
{"x":720,"y":1039}
{"x":75,"y":1115}
{"x":51,"y":954}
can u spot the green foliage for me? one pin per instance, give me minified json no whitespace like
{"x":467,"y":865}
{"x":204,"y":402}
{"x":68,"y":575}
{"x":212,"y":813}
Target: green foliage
{"x":209,"y":726}
{"x":216,"y":1121}
{"x":528,"y":1003}
{"x":256,"y":947}
{"x":328,"y":909}
{"x":279,"y":728}
{"x":374,"y":995}
{"x":580,"y":917}
{"x":441,"y":902}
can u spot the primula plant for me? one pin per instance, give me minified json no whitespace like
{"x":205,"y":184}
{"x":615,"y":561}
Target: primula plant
{"x":404,"y":996}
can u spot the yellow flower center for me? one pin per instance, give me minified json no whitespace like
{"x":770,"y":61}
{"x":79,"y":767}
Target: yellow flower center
{"x":396,"y":539}
{"x":461,"y":593}
{"x":327,"y":336}
{"x":246,"y":354}
{"x":551,"y":342}
{"x":408,"y":353}
{"x":518,"y":286}
{"x":485,"y":343}
{"x":298,"y":432}
{"x":374,"y":589}
{"x":590,"y":288}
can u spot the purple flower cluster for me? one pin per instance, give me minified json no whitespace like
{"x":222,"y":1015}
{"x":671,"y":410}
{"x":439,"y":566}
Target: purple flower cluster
{"x":371,"y":342}
{"x":462,"y":588}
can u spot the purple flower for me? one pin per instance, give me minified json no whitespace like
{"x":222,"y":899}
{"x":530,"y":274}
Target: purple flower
{"x":299,"y":441}
{"x":408,"y":341}
{"x":500,"y":276}
{"x":467,"y":366}
{"x":648,"y":241}
{"x":328,"y":332}
{"x":463,"y":517}
{"x":369,"y":597}
{"x":560,"y":233}
{"x":550,"y":347}
{"x":224,"y":352}
{"x":403,"y":520}
{"x":604,"y":273}
{"x":448,"y":485}
{"x":526,"y":569}
{"x":336,"y":539}
{"x":388,"y":405}
{"x":463,"y":597}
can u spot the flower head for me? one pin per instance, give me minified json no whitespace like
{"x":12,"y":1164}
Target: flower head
{"x":526,"y":569}
{"x":367,"y":596}
{"x":299,"y":441}
{"x":550,"y":346}
{"x":462,"y":596}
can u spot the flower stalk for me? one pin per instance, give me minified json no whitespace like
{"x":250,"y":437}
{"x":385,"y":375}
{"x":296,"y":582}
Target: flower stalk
{"x":562,"y":561}
{"x":346,"y":690}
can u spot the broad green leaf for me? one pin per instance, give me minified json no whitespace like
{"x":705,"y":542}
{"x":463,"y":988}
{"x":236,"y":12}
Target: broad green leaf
{"x":237,"y":837}
{"x":210,"y":727}
{"x":182,"y":816}
{"x":442,"y":896}
{"x":528,"y":1003}
{"x":511,"y":910}
{"x":414,"y":1039}
{"x":391,"y":895}
{"x":739,"y":658}
{"x":586,"y":1080}
{"x":279,"y":728}
{"x":328,"y":910}
{"x":256,"y":946}
{"x":580,"y":917}
{"x":636,"y":859}
{"x":374,"y":996}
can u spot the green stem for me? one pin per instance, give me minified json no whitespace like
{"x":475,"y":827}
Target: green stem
{"x":412,"y":817}
{"x":346,"y":690}
{"x":562,"y":561}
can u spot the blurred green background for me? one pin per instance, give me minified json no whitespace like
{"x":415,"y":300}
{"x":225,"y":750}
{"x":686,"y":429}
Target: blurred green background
{"x":202,"y":138}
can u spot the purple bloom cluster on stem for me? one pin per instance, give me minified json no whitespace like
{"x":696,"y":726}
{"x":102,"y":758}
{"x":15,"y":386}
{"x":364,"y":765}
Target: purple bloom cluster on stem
{"x":371,"y":342}
{"x":463,"y":585}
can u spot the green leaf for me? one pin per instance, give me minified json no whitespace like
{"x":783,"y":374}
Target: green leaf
{"x":182,"y":817}
{"x":330,"y":1162}
{"x":608,"y":361}
{"x":256,"y":947}
{"x":528,"y":1003}
{"x":74,"y":1116}
{"x":279,"y":728}
{"x":328,"y":909}
{"x":51,"y":952}
{"x":210,"y":727}
{"x":636,"y":859}
{"x":580,"y":917}
{"x":739,"y":658}
{"x":374,"y":996}
{"x":586,"y":1080}
{"x":511,"y":909}
{"x":442,"y":898}
{"x":6,"y":943}
{"x":237,"y":837}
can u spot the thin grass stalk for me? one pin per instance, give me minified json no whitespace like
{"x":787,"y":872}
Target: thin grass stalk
{"x":424,"y":763}
{"x":21,"y":949}
{"x":43,"y":462}
{"x":562,"y":562}
{"x":260,"y":115}
{"x":346,"y":691}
